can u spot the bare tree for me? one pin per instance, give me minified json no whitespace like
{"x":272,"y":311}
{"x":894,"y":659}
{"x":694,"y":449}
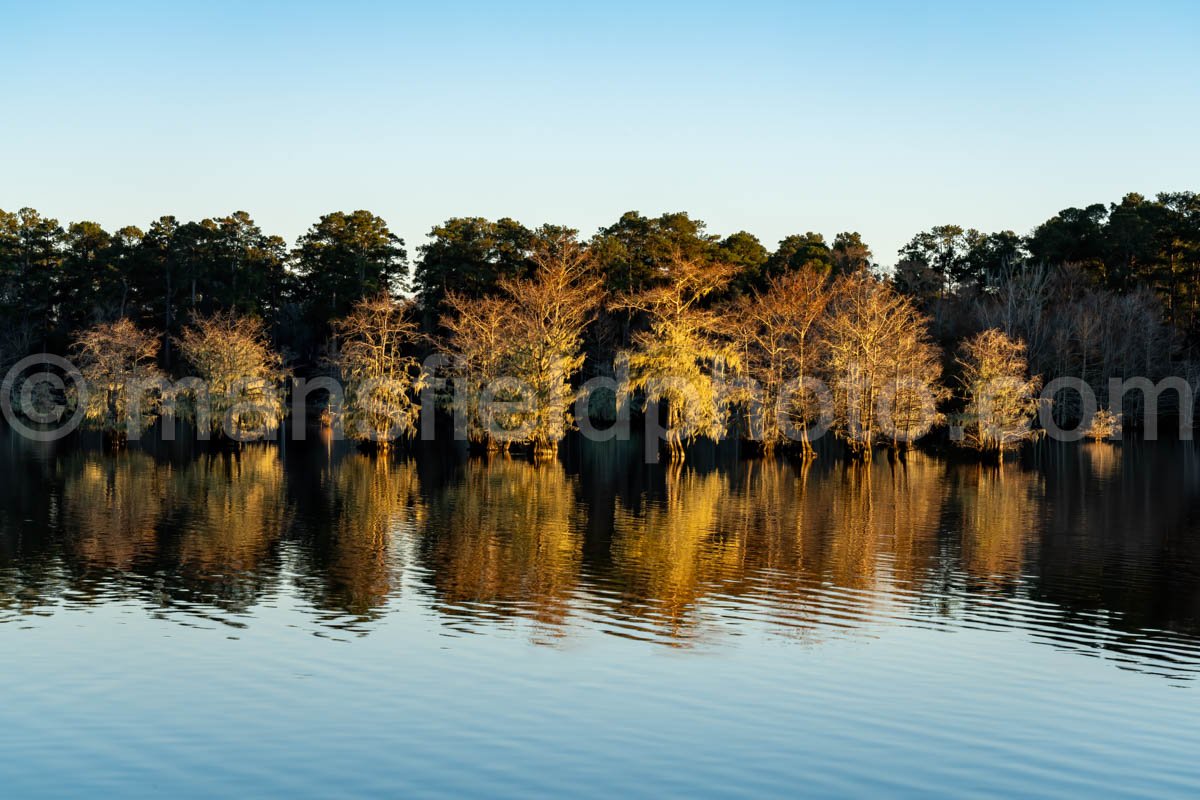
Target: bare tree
{"x":907,"y":408}
{"x":1072,"y":328}
{"x":774,"y":332}
{"x":117,"y":361}
{"x":381,"y":380}
{"x":677,"y":361}
{"x":549,"y":315}
{"x":1019,"y":307}
{"x":877,"y":354}
{"x":516,"y":354}
{"x":240,"y":374}
{"x":1001,"y":398}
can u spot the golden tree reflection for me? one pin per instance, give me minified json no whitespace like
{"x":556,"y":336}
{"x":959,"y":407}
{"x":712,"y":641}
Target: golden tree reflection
{"x":376,"y":498}
{"x":781,"y":532}
{"x":856,"y":512}
{"x":802,"y":550}
{"x":506,"y":540}
{"x":765,"y":507}
{"x":996,"y":508}
{"x":1104,"y":458}
{"x":230,"y":512}
{"x":204,"y":529}
{"x":671,"y":553}
{"x":838,"y":526}
{"x":112,"y":506}
{"x":911,"y":500}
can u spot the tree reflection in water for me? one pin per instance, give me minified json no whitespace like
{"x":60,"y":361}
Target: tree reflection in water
{"x":356,"y":519}
{"x":1091,"y":547}
{"x":227,"y":514}
{"x":995,"y":510}
{"x":671,"y":553}
{"x":113,"y":506}
{"x":505,"y":539}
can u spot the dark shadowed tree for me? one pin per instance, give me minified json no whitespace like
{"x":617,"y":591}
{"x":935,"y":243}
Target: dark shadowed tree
{"x":850,"y":253}
{"x":800,"y":251}
{"x":247,"y":268}
{"x":943,"y":251}
{"x":1129,"y":241}
{"x":1178,"y":242}
{"x":991,"y":255}
{"x":345,"y":257}
{"x":747,"y":255}
{"x":470,"y":256}
{"x":119,"y":288}
{"x":30,"y":262}
{"x":635,"y":252}
{"x":1073,"y":236}
{"x":83,"y":290}
{"x":160,"y":276}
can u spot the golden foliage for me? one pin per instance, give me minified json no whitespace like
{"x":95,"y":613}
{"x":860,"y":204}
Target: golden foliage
{"x":878,"y":357}
{"x":478,"y":340}
{"x":679,"y":360}
{"x":1001,"y":400}
{"x":1103,"y":425}
{"x":117,"y":361}
{"x":241,"y":375}
{"x":774,"y":332}
{"x":381,"y":381}
{"x":517,"y":353}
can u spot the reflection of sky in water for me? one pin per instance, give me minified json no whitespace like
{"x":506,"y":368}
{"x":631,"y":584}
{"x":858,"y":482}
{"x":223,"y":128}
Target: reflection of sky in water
{"x":321,"y":623}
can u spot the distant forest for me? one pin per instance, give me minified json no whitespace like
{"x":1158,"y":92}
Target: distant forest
{"x":1091,"y":292}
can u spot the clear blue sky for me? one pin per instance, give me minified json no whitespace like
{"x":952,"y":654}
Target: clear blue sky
{"x":772,"y":117}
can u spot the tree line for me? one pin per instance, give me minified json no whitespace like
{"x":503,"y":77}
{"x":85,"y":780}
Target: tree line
{"x":692,"y":318}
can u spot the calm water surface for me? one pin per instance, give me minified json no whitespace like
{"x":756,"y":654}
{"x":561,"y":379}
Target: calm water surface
{"x":316,"y":622}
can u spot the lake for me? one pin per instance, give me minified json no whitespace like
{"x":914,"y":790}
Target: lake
{"x":310,"y":621}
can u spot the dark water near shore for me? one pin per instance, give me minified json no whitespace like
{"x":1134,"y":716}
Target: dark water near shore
{"x":316,"y":622}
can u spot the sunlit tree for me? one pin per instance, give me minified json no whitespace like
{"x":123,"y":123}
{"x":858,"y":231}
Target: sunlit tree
{"x":239,"y":395}
{"x":480,"y":347}
{"x":516,"y":353}
{"x":381,"y":380}
{"x":118,"y":364}
{"x":908,"y":406}
{"x":876,"y":353}
{"x":678,"y":360}
{"x":1001,"y":398}
{"x":1103,"y":425}
{"x":549,"y":314}
{"x":774,"y":331}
